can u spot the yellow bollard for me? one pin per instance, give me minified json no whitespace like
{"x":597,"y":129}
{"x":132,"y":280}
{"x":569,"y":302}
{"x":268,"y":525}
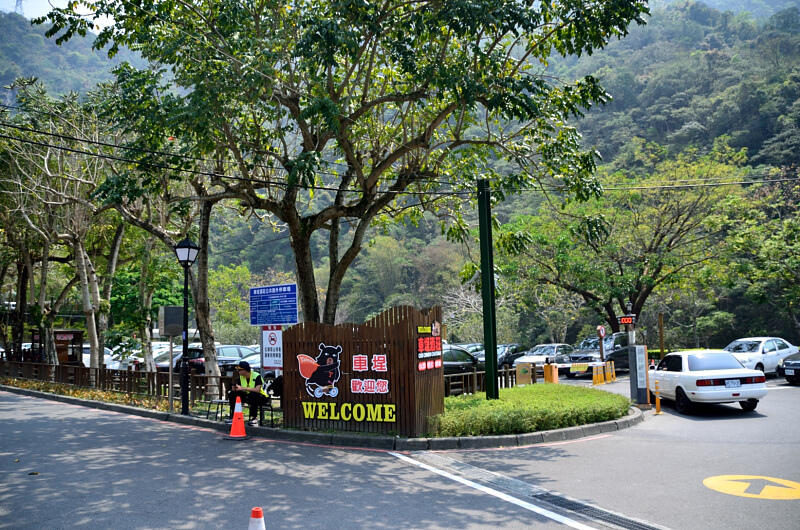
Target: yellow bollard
{"x":658,"y":401}
{"x":597,"y":375}
{"x":613,"y":371}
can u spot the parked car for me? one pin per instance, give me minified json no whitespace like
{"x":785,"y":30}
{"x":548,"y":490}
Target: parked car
{"x":563,"y":362}
{"x":506,"y":354}
{"x":710,"y":376}
{"x":162,"y":360}
{"x":761,"y":353}
{"x":790,"y":369}
{"x":226,"y":354}
{"x":457,"y":360}
{"x":254,"y":359}
{"x":542,"y":353}
{"x":108,"y":358}
{"x":615,"y":348}
{"x":472,"y":347}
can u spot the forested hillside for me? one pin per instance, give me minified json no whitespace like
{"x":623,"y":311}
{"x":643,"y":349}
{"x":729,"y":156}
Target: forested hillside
{"x":73,"y":67}
{"x":694,"y":74}
{"x":703,"y":93}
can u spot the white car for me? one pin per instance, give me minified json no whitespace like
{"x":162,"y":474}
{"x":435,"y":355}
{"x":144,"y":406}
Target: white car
{"x":539,"y":354}
{"x":706,"y":376}
{"x":761,"y":353}
{"x":107,"y":359}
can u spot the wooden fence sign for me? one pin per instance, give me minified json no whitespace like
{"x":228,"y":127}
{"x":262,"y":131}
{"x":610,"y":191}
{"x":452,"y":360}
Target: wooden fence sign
{"x":384,"y":376}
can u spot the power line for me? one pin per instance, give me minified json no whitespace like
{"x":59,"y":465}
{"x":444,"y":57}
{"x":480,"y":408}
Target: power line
{"x":163,"y":153}
{"x":217,"y":175}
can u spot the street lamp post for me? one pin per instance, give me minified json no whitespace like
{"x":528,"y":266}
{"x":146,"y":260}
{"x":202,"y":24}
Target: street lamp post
{"x":186,"y":251}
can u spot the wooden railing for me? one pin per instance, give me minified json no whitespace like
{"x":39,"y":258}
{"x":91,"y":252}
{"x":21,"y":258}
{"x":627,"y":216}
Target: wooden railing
{"x":201,"y":387}
{"x":472,"y":382}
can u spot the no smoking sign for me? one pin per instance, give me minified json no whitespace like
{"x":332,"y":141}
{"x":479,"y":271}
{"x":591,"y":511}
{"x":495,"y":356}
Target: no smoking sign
{"x":271,"y":347}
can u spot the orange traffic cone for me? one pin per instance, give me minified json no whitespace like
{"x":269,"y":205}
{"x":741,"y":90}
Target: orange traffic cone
{"x":257,"y":520}
{"x":237,"y":427}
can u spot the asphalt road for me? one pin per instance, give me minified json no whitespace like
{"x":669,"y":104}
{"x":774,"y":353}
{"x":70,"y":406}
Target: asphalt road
{"x":66,"y":466}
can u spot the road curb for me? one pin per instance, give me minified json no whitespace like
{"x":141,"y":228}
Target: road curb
{"x":389,"y":443}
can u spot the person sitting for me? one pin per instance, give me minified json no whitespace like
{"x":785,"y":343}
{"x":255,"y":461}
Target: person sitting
{"x":250,"y":389}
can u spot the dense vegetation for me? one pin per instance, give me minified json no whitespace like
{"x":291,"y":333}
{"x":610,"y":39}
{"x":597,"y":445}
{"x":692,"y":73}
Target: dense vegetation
{"x":700,"y":147}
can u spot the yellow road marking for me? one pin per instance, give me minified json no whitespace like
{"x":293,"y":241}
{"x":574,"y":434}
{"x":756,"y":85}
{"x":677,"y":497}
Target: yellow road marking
{"x":754,"y":486}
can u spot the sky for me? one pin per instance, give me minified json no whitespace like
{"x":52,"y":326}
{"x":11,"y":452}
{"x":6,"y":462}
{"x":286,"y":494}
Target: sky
{"x":36,"y":8}
{"x":32,"y":8}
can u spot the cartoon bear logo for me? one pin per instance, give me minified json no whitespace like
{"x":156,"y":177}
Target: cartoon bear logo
{"x":321,"y":374}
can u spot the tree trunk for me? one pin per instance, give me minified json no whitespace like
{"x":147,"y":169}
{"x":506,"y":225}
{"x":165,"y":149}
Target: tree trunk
{"x":304,"y":264}
{"x":104,"y":291}
{"x":202,"y":306}
{"x":18,"y":325}
{"x":84,"y":275}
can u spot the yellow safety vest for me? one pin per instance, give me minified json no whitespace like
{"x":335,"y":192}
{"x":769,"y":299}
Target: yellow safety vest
{"x":251,"y":383}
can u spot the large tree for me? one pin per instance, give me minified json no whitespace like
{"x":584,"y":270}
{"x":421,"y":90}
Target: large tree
{"x":643,"y":234}
{"x":51,"y":186}
{"x":325,"y":115}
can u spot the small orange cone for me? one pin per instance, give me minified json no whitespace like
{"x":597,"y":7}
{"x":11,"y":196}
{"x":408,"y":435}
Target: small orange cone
{"x":237,"y":427}
{"x":257,"y":520}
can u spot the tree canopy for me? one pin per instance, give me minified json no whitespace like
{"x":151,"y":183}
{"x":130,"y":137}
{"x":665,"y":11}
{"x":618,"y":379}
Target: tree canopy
{"x":326,"y":115}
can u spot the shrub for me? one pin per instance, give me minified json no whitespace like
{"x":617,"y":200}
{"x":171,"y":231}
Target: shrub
{"x":528,"y":408}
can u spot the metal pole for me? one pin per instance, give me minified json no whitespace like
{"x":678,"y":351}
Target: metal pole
{"x":171,"y":390}
{"x":184,"y":360}
{"x":487,"y":289}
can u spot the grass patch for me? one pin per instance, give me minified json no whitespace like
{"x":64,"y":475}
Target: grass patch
{"x":529,"y":408}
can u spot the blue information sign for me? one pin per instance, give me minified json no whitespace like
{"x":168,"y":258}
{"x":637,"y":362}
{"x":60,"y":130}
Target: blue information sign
{"x":273,"y":305}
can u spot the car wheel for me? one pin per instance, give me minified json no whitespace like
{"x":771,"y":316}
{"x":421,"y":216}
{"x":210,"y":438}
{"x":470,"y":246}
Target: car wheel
{"x":570,"y":375}
{"x":682,"y":403}
{"x":793,"y":381}
{"x":760,"y":366}
{"x":748,"y":405}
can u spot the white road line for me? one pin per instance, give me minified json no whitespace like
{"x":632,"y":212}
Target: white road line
{"x":508,"y":498}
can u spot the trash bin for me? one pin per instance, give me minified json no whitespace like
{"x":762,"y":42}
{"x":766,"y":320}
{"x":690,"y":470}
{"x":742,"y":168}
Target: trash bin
{"x":526,"y":373}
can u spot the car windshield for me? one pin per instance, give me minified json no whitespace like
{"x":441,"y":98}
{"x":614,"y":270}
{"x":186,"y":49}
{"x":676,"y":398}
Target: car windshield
{"x":250,"y":357}
{"x":743,"y":346}
{"x":699,"y":362}
{"x":544,"y":350}
{"x":164,"y":357}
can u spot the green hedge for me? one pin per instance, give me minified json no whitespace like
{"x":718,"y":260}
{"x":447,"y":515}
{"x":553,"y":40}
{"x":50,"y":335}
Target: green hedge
{"x":529,"y":408}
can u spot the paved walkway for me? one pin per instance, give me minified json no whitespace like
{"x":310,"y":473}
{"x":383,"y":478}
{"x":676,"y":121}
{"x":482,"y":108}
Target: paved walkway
{"x":393,"y":443}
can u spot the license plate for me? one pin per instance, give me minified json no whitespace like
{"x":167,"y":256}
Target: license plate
{"x":732,"y":383}
{"x":789,"y":371}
